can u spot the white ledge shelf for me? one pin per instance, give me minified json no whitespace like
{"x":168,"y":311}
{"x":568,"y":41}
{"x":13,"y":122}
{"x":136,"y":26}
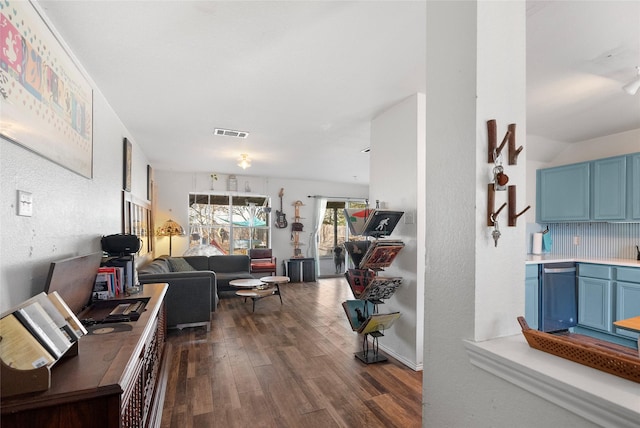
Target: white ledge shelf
{"x":604,"y":399}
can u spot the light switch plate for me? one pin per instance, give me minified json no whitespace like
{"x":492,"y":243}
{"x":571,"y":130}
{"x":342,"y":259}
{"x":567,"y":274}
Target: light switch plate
{"x":25,"y":203}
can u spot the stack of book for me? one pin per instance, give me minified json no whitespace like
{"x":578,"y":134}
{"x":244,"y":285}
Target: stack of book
{"x":109,"y":283}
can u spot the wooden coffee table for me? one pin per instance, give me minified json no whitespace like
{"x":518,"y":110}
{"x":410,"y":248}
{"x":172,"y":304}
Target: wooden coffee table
{"x":255,"y":289}
{"x":276,"y":281}
{"x":246,"y":283}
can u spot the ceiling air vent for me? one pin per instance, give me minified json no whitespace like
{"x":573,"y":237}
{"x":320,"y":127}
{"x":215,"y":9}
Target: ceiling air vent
{"x":230,"y":133}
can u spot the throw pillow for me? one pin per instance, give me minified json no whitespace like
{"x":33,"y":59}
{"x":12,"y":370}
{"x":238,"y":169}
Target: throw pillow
{"x":178,"y":264}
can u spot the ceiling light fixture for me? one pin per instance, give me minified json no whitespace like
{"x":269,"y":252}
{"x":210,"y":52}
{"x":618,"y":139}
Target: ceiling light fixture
{"x":244,"y":162}
{"x":632,"y":87}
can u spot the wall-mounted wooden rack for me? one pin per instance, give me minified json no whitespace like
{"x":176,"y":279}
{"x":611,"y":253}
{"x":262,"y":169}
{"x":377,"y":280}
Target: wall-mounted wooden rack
{"x":512,"y":206}
{"x":491,"y":205}
{"x":510,"y":137}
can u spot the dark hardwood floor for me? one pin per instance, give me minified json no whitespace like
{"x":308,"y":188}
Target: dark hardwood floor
{"x":289,"y":365}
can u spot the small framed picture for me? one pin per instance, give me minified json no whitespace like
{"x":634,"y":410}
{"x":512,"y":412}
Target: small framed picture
{"x":126,"y":185}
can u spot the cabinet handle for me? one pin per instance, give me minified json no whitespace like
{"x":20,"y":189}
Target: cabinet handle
{"x":559,"y":270}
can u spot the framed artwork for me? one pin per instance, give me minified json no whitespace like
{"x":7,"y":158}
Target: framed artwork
{"x":128,"y":148}
{"x":47,"y":103}
{"x":137,"y":219}
{"x":149,"y":183}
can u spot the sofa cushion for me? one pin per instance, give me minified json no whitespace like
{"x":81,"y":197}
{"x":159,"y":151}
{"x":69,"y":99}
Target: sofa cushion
{"x":157,"y":266}
{"x":198,"y":262}
{"x":178,"y":264}
{"x":230,"y":264}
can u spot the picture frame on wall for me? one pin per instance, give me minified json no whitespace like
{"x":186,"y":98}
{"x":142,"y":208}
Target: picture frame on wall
{"x":47,"y":102}
{"x":128,"y":149}
{"x":149,"y":183}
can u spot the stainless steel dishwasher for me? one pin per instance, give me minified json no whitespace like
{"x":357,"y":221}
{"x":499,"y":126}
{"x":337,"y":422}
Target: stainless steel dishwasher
{"x":558,"y":296}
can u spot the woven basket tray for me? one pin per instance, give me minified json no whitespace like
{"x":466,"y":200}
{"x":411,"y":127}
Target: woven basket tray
{"x":609,"y":361}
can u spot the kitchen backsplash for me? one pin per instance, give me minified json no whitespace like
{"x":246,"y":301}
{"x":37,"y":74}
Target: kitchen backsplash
{"x":613,"y":240}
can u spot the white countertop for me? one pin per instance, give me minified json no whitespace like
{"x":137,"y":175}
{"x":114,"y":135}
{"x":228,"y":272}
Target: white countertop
{"x":558,"y":258}
{"x":600,"y":397}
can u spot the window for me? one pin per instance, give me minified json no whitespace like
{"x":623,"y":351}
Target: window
{"x":233,"y":224}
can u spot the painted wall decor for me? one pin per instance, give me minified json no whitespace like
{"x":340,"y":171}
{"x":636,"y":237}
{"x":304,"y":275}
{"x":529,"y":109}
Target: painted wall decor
{"x":46,"y":102}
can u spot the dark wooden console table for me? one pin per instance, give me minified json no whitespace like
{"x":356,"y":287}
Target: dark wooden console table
{"x":116,"y":380}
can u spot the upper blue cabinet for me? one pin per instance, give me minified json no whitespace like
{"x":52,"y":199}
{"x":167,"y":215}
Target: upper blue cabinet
{"x":634,"y":187}
{"x":609,"y":189}
{"x":601,"y":190}
{"x":562,"y":193}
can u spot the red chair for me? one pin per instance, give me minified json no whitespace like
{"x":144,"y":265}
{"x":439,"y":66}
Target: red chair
{"x":262,"y":261}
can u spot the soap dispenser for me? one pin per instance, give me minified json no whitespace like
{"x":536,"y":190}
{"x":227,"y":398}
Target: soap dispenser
{"x":638,"y":249}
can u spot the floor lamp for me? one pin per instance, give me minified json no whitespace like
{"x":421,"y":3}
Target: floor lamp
{"x":170,"y":228}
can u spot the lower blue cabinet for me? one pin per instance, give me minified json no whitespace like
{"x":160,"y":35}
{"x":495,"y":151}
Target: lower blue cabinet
{"x":627,"y":305}
{"x":594,"y":303}
{"x":531,"y":296}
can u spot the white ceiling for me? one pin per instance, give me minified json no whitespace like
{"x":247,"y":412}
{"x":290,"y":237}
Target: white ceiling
{"x":305,"y":78}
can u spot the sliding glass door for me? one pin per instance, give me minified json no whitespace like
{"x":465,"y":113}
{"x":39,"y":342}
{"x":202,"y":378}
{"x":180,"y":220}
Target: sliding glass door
{"x":331,"y":235}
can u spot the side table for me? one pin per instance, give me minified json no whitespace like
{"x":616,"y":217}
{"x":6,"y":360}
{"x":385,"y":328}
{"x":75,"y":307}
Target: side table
{"x":301,"y":269}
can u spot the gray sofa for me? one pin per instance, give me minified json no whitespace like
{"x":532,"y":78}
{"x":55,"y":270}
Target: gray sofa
{"x":194,"y":283}
{"x":227,"y":268}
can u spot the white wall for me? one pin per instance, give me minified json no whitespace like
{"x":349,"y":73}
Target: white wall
{"x":396,"y":137}
{"x":70,"y":212}
{"x":173,"y":197}
{"x":473,"y":291}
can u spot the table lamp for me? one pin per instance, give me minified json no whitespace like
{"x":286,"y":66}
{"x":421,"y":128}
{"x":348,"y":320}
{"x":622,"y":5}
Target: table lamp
{"x":170,"y":228}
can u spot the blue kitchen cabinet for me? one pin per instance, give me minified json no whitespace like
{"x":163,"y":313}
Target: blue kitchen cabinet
{"x":595,"y":293}
{"x":531,"y":295}
{"x":609,"y":189}
{"x":627,"y":297}
{"x":600,"y":190}
{"x":634,"y":186}
{"x":562,"y":193}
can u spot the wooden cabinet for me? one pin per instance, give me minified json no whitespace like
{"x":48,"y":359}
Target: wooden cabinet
{"x":601,"y":190}
{"x":113,"y":382}
{"x":531,"y":296}
{"x":562,"y":193}
{"x":609,"y":189}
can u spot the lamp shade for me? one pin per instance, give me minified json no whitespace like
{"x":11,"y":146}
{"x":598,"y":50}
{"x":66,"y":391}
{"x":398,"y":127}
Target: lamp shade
{"x":170,"y":228}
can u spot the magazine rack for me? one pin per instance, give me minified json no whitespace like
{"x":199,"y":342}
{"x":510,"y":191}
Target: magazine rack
{"x":370,"y":352}
{"x":370,"y":258}
{"x":23,"y":345}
